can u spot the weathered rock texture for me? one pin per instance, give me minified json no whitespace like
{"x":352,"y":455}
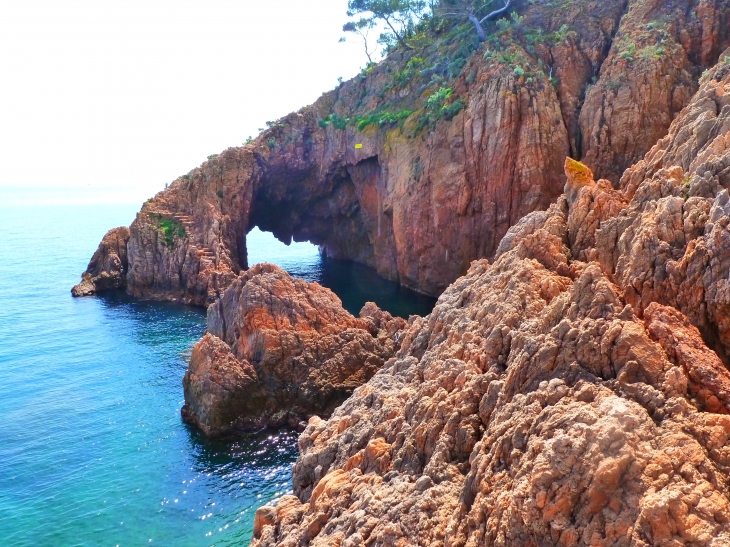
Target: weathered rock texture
{"x":278,"y":350}
{"x":649,"y":76}
{"x":107,"y":269}
{"x":419,"y":200}
{"x":573,"y":392}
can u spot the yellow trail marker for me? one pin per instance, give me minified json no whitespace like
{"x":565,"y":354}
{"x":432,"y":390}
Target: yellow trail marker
{"x":358,"y":145}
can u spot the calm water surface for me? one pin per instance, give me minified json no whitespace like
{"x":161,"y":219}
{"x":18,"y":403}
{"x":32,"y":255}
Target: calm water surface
{"x":92,"y":448}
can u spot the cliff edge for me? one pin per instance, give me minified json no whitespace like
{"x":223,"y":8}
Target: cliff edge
{"x":573,"y":392}
{"x":422,"y":163}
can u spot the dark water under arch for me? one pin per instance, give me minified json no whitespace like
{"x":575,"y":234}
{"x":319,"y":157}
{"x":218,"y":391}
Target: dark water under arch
{"x":354,"y":283}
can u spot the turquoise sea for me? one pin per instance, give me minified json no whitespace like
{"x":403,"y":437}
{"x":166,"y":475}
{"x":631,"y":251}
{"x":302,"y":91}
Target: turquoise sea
{"x":92,"y":447}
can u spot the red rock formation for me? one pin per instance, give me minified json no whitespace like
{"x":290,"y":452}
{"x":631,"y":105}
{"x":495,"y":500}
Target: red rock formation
{"x":107,"y":269}
{"x":418,"y":210}
{"x":648,"y":78}
{"x":663,"y":236}
{"x":278,"y":350}
{"x":421,"y":199}
{"x":563,"y":395}
{"x":187,"y":244}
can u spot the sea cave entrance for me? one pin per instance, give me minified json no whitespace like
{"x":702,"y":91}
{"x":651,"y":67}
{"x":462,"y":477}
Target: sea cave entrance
{"x":352,"y":282}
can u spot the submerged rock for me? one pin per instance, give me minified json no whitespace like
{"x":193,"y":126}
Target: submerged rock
{"x":573,"y":392}
{"x":279,"y":350}
{"x":107,"y":269}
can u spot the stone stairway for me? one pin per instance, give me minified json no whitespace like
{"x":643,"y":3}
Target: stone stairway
{"x":185,"y":220}
{"x":204,"y":254}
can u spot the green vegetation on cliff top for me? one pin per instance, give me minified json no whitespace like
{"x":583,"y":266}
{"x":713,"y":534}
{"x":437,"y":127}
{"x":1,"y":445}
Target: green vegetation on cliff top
{"x":430,"y":65}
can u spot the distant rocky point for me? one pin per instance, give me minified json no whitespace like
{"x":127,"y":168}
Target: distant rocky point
{"x":107,"y":269}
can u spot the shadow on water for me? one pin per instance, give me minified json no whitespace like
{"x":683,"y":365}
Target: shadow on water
{"x":154,"y":323}
{"x":119,"y":300}
{"x":356,"y":284}
{"x":245,"y":454}
{"x":353,"y":283}
{"x":242,"y":474}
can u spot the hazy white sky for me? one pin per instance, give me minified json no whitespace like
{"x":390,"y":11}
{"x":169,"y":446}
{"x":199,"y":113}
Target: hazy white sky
{"x":119,"y":97}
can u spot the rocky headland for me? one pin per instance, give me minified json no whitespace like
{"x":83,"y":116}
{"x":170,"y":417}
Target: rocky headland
{"x":571,"y":386}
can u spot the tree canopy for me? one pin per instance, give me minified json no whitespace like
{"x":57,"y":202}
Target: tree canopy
{"x":476,"y":11}
{"x":362,"y":28}
{"x":400,"y":16}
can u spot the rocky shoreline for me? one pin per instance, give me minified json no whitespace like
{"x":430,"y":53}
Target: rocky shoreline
{"x":279,"y":350}
{"x":571,"y":386}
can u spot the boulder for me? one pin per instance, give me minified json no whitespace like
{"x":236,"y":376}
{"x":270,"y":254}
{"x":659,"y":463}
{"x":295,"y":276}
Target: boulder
{"x":279,"y":350}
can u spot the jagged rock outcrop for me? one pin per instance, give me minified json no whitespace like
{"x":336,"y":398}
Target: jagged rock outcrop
{"x":573,"y":392}
{"x":187,"y":244}
{"x":278,"y":350}
{"x":374,"y":172}
{"x":648,"y":77}
{"x":107,"y":269}
{"x":663,"y":239}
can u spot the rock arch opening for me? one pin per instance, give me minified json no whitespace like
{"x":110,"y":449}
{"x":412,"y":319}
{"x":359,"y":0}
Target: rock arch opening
{"x":340,"y":211}
{"x":299,"y":259}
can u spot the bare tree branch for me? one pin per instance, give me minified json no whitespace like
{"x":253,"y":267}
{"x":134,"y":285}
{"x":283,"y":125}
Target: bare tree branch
{"x":496,"y":12}
{"x":466,"y":9}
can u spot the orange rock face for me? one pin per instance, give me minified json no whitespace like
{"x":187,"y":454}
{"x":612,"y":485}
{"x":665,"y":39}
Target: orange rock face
{"x":649,"y":76}
{"x":278,"y":350}
{"x":572,"y":392}
{"x":601,"y":81}
{"x":107,"y":269}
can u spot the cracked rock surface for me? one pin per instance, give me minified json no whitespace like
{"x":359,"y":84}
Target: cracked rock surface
{"x":572,"y":392}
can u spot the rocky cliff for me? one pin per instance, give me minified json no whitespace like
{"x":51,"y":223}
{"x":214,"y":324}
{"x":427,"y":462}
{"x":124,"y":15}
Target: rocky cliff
{"x":278,"y":350}
{"x":573,"y":392}
{"x":107,"y":269}
{"x":422,"y":163}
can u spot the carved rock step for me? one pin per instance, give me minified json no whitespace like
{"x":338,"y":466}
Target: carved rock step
{"x":203,"y":252}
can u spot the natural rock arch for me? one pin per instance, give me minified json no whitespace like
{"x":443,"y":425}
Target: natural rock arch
{"x":419,"y":206}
